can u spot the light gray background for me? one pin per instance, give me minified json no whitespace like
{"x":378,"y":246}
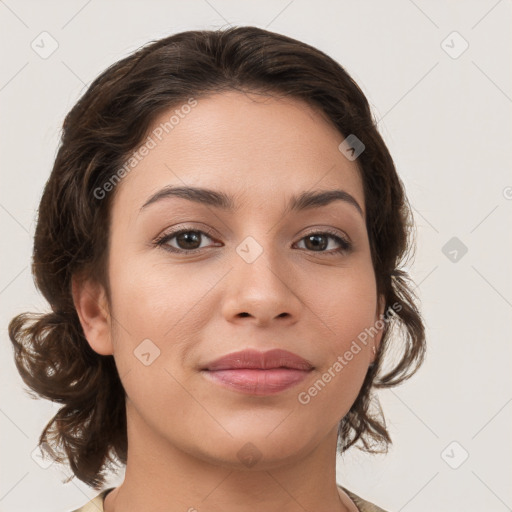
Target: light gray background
{"x":447,"y":122}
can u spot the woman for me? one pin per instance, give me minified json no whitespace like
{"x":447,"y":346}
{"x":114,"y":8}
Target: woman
{"x":220,"y":242}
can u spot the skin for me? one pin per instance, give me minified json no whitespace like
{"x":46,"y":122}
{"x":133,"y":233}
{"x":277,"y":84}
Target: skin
{"x":184,"y":432}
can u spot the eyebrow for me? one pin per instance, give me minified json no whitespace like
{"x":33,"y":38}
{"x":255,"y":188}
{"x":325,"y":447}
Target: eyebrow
{"x":304,"y":201}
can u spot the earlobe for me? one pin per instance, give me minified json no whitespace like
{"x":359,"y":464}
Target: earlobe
{"x":91,"y":304}
{"x":379,"y":324}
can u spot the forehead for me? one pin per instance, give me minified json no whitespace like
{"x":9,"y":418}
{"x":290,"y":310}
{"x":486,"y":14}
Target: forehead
{"x":246,"y":144}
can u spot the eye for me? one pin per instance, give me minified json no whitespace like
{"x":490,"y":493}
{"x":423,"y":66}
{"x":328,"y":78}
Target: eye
{"x":317,"y":241}
{"x":187,"y":240}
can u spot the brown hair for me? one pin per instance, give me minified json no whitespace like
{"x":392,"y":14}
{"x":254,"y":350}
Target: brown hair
{"x":109,"y":121}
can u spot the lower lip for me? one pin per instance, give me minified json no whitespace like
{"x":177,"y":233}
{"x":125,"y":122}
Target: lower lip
{"x":258,"y":382}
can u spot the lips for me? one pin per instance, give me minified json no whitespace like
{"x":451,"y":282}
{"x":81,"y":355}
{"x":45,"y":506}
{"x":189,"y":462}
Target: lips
{"x":258,"y":373}
{"x":252,"y":359}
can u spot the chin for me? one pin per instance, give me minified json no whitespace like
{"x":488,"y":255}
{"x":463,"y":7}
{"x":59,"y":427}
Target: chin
{"x":258,"y":451}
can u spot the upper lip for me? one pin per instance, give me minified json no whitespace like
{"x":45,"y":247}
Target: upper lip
{"x":253,"y":359}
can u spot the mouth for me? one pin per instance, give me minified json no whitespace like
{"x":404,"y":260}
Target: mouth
{"x":258,"y":373}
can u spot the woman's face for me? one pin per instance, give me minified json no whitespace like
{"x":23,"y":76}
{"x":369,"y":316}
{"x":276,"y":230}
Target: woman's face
{"x":253,"y":273}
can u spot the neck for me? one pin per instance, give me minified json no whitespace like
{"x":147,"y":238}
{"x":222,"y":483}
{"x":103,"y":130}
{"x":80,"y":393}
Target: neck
{"x":162,"y":478}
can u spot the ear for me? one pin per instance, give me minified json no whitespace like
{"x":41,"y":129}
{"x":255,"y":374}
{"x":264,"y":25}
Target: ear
{"x":379,"y":322}
{"x":91,"y":304}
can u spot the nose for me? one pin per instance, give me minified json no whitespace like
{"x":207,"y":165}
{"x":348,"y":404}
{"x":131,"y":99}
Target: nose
{"x":262,"y":292}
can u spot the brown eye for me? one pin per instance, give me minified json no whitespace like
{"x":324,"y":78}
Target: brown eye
{"x":314,"y":242}
{"x":319,"y":242}
{"x":188,"y":240}
{"x":184,"y":240}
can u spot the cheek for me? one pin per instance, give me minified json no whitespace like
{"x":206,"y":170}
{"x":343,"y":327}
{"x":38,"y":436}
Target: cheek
{"x":159,"y":313}
{"x":166,"y":301}
{"x":154,"y":299}
{"x":169,"y":310}
{"x":345,"y":304}
{"x":345,"y":356}
{"x":346,"y":312}
{"x":154,"y":330}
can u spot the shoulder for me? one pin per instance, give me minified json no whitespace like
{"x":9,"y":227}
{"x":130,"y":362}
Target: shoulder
{"x":361,"y":504}
{"x":96,"y":504}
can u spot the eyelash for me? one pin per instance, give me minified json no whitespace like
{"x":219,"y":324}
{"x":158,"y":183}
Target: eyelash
{"x":346,"y":246}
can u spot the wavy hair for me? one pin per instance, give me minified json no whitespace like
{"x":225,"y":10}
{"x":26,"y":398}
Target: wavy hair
{"x":106,"y":125}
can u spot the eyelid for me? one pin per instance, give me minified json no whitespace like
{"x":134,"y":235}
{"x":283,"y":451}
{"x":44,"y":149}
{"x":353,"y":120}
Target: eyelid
{"x":331,"y":231}
{"x":177,"y":230}
{"x":345,"y":239}
{"x":347,"y":245}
